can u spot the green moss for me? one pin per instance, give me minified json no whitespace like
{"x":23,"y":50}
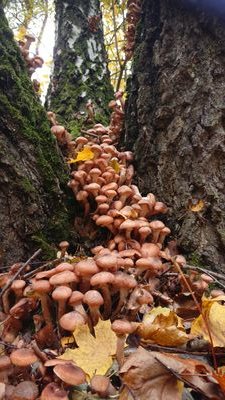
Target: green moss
{"x":27,"y":128}
{"x":27,"y":185}
{"x":48,"y":251}
{"x":195,"y":259}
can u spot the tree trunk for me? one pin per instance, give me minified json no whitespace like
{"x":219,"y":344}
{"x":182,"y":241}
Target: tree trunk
{"x":32,"y":173}
{"x":80,"y":64}
{"x":176,"y":120}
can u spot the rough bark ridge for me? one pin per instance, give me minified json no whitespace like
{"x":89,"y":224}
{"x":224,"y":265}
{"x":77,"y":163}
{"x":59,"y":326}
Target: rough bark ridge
{"x":80,"y":67}
{"x":32,"y":173}
{"x":176,"y":122}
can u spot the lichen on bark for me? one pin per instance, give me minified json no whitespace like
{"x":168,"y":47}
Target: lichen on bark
{"x":175,"y":121}
{"x":80,"y":64}
{"x":32,"y":173}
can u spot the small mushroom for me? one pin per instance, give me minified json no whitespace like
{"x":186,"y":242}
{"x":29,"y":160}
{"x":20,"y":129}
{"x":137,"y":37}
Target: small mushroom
{"x":71,"y":320}
{"x":53,"y":392}
{"x":122,"y":328}
{"x":61,"y":294}
{"x":70,"y":374}
{"x":102,"y":280}
{"x":102,"y":386}
{"x":94,"y":300}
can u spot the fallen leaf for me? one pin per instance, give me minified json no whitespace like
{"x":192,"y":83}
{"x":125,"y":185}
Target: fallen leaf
{"x":214,"y":313}
{"x":162,"y":326}
{"x":94,"y":354}
{"x":146,"y":378}
{"x":155,"y":375}
{"x":115,"y":165}
{"x":220,"y":377}
{"x":197,"y":205}
{"x":84,"y":155}
{"x":193,"y":373}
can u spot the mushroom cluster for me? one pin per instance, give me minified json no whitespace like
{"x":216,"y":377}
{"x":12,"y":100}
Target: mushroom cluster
{"x":132,"y":18}
{"x":32,"y":61}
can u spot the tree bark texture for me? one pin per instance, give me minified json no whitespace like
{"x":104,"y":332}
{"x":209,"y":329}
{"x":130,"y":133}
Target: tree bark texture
{"x":176,"y":121}
{"x":32,"y":173}
{"x":80,"y":64}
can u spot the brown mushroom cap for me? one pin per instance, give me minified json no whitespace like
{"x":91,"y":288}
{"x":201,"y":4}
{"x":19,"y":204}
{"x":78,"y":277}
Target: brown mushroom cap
{"x":104,"y":220}
{"x":61,"y":293}
{"x":123,"y":280}
{"x":63,"y":278}
{"x":86,"y":267}
{"x":75,"y":298}
{"x":123,"y":327}
{"x":26,"y":390}
{"x":23,"y":357}
{"x":64,"y":266}
{"x":101,"y":385}
{"x":70,"y":374}
{"x":55,"y":361}
{"x":93,"y":298}
{"x":102,"y":278}
{"x":41,"y":286}
{"x":71,"y":320}
{"x":18,"y":284}
{"x":107,"y":261}
{"x":53,"y":392}
{"x":5,"y":363}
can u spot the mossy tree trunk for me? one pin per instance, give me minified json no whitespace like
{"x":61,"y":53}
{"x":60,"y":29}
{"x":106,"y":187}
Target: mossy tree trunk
{"x":32,"y":172}
{"x":176,"y":121}
{"x":80,"y":63}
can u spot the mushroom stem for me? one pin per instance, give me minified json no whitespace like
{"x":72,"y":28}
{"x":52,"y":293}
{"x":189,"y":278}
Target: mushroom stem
{"x":107,"y":301}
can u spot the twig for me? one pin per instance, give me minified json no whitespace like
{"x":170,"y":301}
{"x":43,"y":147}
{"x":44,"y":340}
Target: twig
{"x":41,"y":267}
{"x":205,"y":271}
{"x":89,"y":134}
{"x":156,"y":347}
{"x":19,"y":272}
{"x":204,"y":317}
{"x":209,"y":273}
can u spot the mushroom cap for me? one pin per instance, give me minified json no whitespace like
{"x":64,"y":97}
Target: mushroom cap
{"x":61,"y":293}
{"x":64,"y":266}
{"x":18,"y":284}
{"x":71,"y":320}
{"x":5,"y":362}
{"x":55,"y":361}
{"x":104,"y":220}
{"x":26,"y":390}
{"x":100,"y":199}
{"x":64,"y":245}
{"x":23,"y":357}
{"x":150,"y":250}
{"x":122,"y":327}
{"x":81,"y":140}
{"x":92,"y":187}
{"x":100,"y":384}
{"x":70,"y":374}
{"x":124,"y":190}
{"x":86,"y":267}
{"x":107,"y":261}
{"x":63,"y":278}
{"x":129,"y":225}
{"x":41,"y":286}
{"x":93,"y":298}
{"x":102,"y":278}
{"x":156,"y":225}
{"x":123,"y":280}
{"x":53,"y":392}
{"x":75,"y":298}
{"x":150,"y":263}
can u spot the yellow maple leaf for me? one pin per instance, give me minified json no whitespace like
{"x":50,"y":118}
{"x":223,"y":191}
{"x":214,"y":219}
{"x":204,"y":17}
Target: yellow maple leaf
{"x":94,"y":354}
{"x":115,"y":165}
{"x":83,"y":155}
{"x":162,"y":326}
{"x":214,"y":313}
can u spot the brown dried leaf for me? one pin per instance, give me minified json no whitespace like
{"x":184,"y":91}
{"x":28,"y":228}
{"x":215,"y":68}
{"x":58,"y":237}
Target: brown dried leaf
{"x":146,"y":378}
{"x":162,"y":326}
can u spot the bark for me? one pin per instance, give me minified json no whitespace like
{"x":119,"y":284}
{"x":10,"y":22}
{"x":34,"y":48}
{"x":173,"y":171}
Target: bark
{"x":32,"y":172}
{"x":176,"y":121}
{"x":80,"y":64}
